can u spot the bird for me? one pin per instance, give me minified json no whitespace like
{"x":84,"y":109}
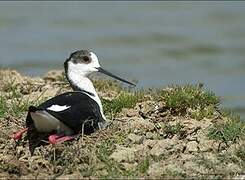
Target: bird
{"x":66,"y":115}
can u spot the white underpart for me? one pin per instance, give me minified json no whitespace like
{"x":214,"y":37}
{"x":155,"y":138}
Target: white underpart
{"x":85,"y":84}
{"x":78,"y":74}
{"x":45,"y":122}
{"x":58,"y":108}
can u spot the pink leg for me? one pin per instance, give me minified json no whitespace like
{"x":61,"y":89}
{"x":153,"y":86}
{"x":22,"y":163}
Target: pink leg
{"x":54,"y":139}
{"x":18,"y":135}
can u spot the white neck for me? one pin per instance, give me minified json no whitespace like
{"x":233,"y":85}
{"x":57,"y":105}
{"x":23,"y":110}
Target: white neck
{"x":81,"y":82}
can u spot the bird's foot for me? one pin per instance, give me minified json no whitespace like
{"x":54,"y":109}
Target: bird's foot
{"x":18,"y":135}
{"x":54,"y":139}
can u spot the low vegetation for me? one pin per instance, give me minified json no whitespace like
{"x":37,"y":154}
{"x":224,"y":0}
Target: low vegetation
{"x":183,"y":125}
{"x":229,"y":130}
{"x":192,"y":99}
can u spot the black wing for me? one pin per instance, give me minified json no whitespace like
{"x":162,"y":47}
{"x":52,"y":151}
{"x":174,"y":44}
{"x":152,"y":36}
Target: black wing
{"x":82,"y":108}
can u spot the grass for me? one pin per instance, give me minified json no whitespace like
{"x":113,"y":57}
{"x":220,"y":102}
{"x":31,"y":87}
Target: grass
{"x":179,"y":99}
{"x":104,"y":150}
{"x":228,"y":131}
{"x":123,"y":100}
{"x":240,"y":152}
{"x":143,"y":165}
{"x":201,"y":113}
{"x":3,"y":106}
{"x":19,"y":104}
{"x":171,"y":130}
{"x":114,"y":169}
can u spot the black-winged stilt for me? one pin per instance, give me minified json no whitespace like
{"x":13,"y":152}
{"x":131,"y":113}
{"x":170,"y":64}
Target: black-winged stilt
{"x":67,"y":114}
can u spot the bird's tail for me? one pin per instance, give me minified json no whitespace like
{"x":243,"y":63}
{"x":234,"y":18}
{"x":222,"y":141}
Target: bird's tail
{"x":33,"y":109}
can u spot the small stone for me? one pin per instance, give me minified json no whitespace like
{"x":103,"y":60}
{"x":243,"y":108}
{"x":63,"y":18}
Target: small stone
{"x":233,"y":167}
{"x":206,"y":145}
{"x":130,"y":166}
{"x":191,"y":146}
{"x":141,"y":124}
{"x":150,"y":143}
{"x":135,"y":138}
{"x":159,"y":169}
{"x":149,"y":135}
{"x":156,"y":170}
{"x":132,"y":113}
{"x":162,"y":147}
{"x":103,"y":172}
{"x":123,"y":154}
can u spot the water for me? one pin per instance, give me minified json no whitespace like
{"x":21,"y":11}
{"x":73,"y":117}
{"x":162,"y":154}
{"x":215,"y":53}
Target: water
{"x":156,"y":43}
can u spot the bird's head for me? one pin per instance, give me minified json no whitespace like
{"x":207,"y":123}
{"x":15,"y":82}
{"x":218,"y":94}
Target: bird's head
{"x":84,"y":62}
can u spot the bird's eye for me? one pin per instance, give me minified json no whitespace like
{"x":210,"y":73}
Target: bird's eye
{"x":86,"y":59}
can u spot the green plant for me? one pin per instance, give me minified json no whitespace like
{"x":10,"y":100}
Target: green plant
{"x":171,"y":130}
{"x":124,"y":100}
{"x":229,"y":130}
{"x":3,"y":106}
{"x":143,"y":165}
{"x":178,"y":99}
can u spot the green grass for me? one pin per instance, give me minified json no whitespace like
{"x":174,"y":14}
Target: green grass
{"x":123,"y":100}
{"x":18,"y":103}
{"x":115,"y":169}
{"x":240,"y":153}
{"x":3,"y":106}
{"x":171,"y":130}
{"x":200,"y":113}
{"x":179,"y":99}
{"x":104,"y":150}
{"x":228,"y":131}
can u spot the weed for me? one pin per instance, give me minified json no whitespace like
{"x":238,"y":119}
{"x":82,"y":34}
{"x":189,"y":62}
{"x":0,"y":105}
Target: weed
{"x":3,"y":106}
{"x":240,"y":152}
{"x":206,"y":112}
{"x":103,"y":153}
{"x":124,"y":100}
{"x":178,"y":99}
{"x":229,"y":130}
{"x":175,"y":174}
{"x":143,"y":165}
{"x":226,"y":158}
{"x":201,"y":160}
{"x":171,"y":130}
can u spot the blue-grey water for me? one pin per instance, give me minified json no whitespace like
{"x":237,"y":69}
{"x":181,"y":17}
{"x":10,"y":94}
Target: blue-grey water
{"x":156,"y":43}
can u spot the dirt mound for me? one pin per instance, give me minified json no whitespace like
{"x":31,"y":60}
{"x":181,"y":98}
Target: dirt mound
{"x":166,"y":133}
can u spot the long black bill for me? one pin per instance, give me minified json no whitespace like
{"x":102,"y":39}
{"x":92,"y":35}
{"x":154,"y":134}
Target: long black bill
{"x":101,"y":70}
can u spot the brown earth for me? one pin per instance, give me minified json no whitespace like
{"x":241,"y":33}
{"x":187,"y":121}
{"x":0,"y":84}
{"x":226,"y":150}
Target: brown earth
{"x":136,"y":143}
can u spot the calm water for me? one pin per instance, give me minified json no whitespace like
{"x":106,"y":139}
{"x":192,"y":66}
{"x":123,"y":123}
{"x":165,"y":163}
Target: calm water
{"x":156,"y":43}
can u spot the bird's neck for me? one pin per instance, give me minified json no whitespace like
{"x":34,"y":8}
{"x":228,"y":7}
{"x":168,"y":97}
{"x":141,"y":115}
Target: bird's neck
{"x":83,"y":83}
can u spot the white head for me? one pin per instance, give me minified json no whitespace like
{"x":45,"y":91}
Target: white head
{"x":84,"y":62}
